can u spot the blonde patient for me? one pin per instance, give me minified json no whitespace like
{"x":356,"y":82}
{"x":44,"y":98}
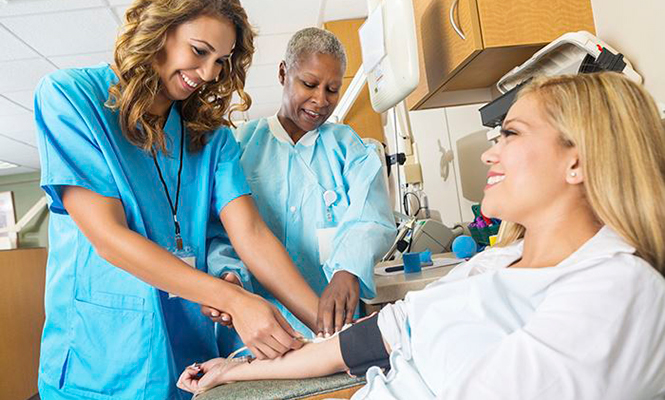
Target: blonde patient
{"x":568,"y":305}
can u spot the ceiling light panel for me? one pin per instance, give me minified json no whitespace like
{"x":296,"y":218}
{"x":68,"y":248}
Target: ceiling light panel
{"x":344,"y":9}
{"x":27,"y":7}
{"x":18,"y":153}
{"x":15,"y":171}
{"x":28,"y":137}
{"x":82,"y":60}
{"x":274,"y":17}
{"x":14,"y":49}
{"x":8,"y":107}
{"x":6,"y":165}
{"x":66,"y":33}
{"x":22,"y":74}
{"x":120,"y":12}
{"x":17,"y":123}
{"x":23,"y":98}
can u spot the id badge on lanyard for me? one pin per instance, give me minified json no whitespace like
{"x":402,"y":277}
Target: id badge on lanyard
{"x":185,"y":254}
{"x":328,"y":229}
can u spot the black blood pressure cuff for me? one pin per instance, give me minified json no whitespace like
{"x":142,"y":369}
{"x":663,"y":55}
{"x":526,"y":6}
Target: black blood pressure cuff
{"x":362,"y":347}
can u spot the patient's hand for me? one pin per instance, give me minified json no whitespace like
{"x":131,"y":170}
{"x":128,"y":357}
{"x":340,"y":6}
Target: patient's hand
{"x":198,"y":378}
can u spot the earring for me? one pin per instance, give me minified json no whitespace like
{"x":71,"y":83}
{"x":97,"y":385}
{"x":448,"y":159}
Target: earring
{"x":573,"y":174}
{"x":217,"y":78}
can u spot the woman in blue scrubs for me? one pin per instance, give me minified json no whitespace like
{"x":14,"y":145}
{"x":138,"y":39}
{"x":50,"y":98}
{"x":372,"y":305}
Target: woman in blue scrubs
{"x":140,"y":168}
{"x":319,"y":188}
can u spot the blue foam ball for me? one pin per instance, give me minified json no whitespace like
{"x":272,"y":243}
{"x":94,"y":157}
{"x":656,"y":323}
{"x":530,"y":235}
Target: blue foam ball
{"x":464,"y":246}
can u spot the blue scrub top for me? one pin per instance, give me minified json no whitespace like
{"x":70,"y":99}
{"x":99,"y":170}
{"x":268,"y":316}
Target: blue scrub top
{"x":107,"y":334}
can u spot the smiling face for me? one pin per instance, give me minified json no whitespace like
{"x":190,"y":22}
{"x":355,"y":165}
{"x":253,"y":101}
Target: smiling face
{"x":311,"y":92}
{"x":531,"y":170}
{"x":193,"y":54}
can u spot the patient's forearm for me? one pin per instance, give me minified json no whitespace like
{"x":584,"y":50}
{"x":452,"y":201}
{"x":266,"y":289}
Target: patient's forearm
{"x":312,"y":360}
{"x":355,"y":349}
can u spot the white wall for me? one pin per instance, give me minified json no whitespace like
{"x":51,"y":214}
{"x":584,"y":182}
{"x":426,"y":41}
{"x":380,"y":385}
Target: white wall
{"x":450,"y":141}
{"x":636,"y":29}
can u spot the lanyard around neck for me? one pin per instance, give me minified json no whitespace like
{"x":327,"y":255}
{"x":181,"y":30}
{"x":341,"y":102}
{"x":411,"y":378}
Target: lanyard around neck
{"x":174,"y":209}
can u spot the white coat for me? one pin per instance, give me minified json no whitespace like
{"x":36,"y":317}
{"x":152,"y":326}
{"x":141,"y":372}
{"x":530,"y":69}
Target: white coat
{"x":592,"y":327}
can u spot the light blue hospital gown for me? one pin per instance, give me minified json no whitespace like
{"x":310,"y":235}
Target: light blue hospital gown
{"x":288,"y":183}
{"x":109,"y":335}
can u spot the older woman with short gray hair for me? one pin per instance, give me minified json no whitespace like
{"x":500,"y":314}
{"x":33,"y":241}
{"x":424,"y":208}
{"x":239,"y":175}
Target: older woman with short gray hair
{"x":317,"y":186}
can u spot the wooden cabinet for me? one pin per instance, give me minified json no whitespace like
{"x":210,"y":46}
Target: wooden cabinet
{"x":346,"y":31}
{"x":22,"y":276}
{"x":499,"y":35}
{"x":361,"y":117}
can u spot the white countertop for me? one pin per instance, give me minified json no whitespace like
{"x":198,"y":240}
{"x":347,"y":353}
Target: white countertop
{"x":394,"y":287}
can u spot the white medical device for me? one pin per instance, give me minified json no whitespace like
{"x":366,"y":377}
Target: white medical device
{"x":572,"y":53}
{"x":390,"y":57}
{"x":390,"y":52}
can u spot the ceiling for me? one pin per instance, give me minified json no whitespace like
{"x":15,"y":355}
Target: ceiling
{"x":40,"y":36}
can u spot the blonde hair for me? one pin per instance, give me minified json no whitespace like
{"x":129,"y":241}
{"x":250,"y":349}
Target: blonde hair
{"x":147,"y":23}
{"x":616,"y":127}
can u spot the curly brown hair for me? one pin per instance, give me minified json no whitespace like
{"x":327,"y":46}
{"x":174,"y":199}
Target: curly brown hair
{"x":147,"y":23}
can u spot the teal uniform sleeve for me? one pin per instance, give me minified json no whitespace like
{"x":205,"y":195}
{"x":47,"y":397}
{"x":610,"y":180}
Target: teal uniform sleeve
{"x":223,"y":259}
{"x":230,"y":182}
{"x":367,"y":229}
{"x":68,"y":126}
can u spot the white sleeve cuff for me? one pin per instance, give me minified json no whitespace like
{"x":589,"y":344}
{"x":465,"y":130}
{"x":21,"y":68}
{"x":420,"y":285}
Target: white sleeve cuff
{"x":392,"y":324}
{"x":338,"y":270}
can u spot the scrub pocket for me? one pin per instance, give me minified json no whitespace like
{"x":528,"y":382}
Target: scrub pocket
{"x":110,"y":349}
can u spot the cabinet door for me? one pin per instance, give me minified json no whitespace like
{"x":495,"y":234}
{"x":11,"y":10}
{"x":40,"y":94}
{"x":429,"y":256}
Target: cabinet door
{"x":361,"y":117}
{"x":430,"y":131}
{"x":508,"y":23}
{"x":22,"y":280}
{"x":346,"y":31}
{"x":441,"y":51}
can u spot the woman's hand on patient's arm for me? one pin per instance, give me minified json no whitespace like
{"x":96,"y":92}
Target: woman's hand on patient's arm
{"x":262,"y":327}
{"x":216,"y":315}
{"x":338,"y":303}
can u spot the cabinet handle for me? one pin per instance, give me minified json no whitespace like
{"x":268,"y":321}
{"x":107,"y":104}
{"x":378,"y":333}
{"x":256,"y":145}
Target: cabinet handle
{"x":452,"y":20}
